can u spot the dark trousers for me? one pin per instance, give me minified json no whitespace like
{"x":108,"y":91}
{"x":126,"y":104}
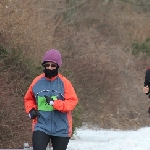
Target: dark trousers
{"x":40,"y":141}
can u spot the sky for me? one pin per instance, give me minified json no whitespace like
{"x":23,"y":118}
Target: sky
{"x":99,"y":139}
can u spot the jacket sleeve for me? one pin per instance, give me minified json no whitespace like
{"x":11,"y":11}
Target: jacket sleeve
{"x":70,"y":100}
{"x":29,"y":100}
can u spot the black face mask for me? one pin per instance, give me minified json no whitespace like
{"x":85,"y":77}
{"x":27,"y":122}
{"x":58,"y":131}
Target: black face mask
{"x":50,"y":73}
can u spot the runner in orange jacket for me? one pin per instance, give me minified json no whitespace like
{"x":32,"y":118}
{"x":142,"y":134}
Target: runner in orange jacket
{"x":49,"y":102}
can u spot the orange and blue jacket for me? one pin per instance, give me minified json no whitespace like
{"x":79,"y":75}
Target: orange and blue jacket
{"x":54,"y":120}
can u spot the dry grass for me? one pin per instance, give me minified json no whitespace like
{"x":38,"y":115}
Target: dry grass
{"x":15,"y":127}
{"x":93,"y":42}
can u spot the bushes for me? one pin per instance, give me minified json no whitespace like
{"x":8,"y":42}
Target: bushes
{"x":77,"y":118}
{"x":3,"y":52}
{"x":143,"y":47}
{"x":21,"y":69}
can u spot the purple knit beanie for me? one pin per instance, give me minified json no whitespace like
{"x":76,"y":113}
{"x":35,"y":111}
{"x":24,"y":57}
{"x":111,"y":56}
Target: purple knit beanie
{"x":54,"y":56}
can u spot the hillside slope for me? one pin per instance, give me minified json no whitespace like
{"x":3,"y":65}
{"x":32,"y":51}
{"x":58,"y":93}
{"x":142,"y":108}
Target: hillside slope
{"x":95,"y":39}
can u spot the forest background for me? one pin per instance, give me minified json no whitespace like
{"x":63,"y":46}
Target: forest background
{"x":105,"y":46}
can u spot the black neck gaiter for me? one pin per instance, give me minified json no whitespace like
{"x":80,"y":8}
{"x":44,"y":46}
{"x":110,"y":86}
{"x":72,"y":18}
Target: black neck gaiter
{"x":50,"y":73}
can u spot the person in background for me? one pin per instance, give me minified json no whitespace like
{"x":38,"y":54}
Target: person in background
{"x":146,"y":88}
{"x":147,"y":82}
{"x":49,"y":102}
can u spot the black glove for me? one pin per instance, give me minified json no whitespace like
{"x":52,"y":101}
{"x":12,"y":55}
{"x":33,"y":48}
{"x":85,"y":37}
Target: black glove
{"x":33,"y":113}
{"x":49,"y":100}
